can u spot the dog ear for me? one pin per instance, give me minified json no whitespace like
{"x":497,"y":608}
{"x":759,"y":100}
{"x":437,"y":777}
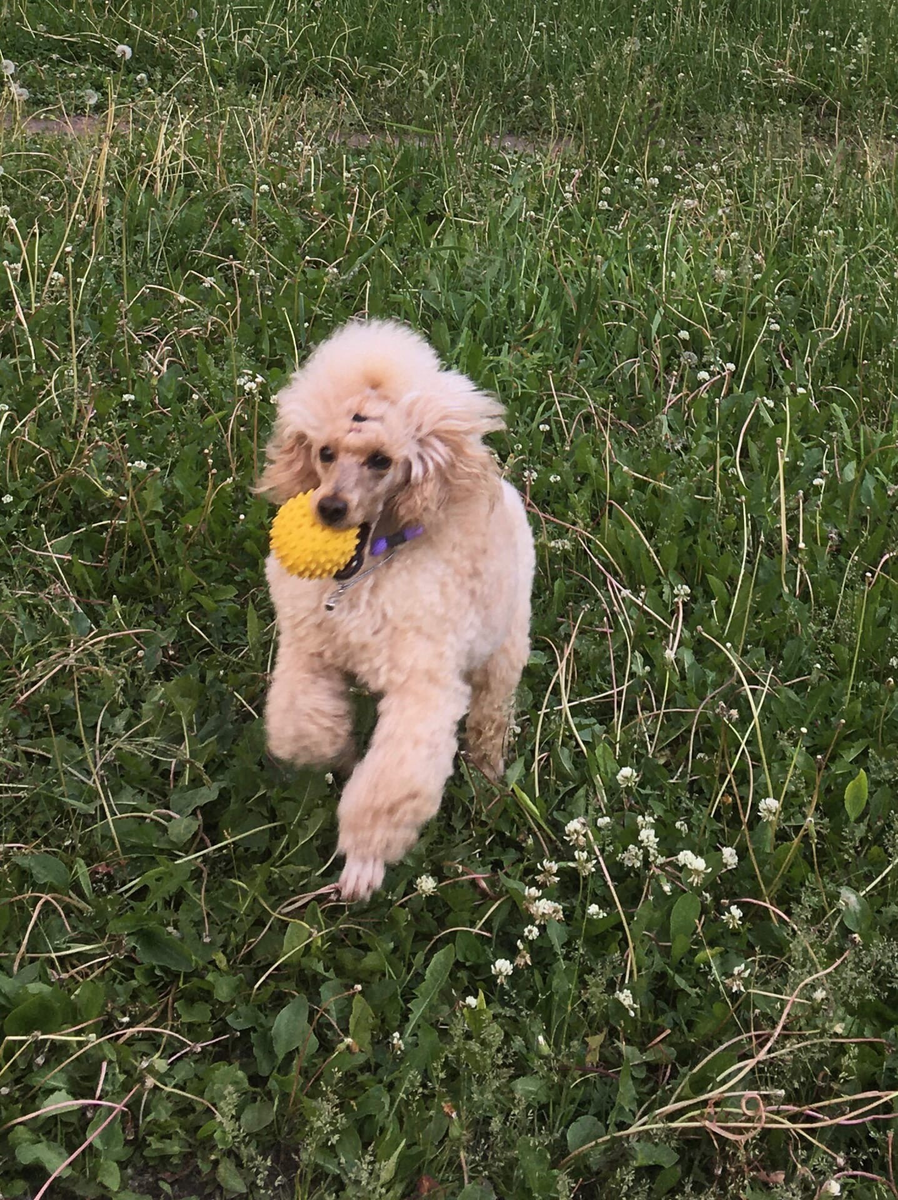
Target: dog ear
{"x":448,"y":458}
{"x":288,"y":469}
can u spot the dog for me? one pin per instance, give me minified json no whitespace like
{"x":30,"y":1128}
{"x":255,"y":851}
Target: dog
{"x":433,"y":614}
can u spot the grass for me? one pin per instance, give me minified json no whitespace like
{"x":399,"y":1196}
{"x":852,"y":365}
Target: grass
{"x":688,"y":304}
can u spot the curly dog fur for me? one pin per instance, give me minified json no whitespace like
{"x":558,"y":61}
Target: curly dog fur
{"x":386,"y":435}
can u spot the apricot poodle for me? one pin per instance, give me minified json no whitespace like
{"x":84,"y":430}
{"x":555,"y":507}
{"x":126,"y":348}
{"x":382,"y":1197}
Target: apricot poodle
{"x":433,"y":615}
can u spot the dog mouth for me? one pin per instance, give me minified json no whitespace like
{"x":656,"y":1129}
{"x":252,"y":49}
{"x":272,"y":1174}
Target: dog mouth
{"x":358,"y":557}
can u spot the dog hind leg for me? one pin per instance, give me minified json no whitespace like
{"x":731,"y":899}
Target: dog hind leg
{"x":492,"y":703}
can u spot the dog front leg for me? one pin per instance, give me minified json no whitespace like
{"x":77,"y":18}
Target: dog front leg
{"x":399,"y":783}
{"x":308,"y":720}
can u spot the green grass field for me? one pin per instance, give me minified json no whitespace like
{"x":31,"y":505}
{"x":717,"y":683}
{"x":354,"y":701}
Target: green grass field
{"x":678,"y":272}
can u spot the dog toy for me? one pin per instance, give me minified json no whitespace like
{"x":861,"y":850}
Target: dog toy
{"x":305,"y":547}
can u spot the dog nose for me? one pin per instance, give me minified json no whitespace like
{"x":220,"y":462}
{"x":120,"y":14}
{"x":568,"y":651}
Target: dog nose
{"x":331,"y":509}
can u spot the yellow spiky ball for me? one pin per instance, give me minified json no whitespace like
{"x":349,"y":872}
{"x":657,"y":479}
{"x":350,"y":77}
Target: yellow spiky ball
{"x":305,"y":547}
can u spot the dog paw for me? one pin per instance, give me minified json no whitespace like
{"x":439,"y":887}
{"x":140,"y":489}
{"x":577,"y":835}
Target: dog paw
{"x":361,"y":877}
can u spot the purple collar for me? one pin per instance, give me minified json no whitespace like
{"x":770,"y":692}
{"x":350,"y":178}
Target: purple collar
{"x":382,"y":544}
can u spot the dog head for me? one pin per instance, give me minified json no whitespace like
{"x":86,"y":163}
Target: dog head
{"x":374,"y":424}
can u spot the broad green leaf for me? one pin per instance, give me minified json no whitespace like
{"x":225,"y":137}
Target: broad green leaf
{"x":257,"y":1115}
{"x":435,"y":978}
{"x":109,"y":1175}
{"x":43,"y":1013}
{"x":291,"y":1027}
{"x":45,"y":869}
{"x":653,"y":1154}
{"x":683,"y":917}
{"x":90,"y":999}
{"x":361,"y":1022}
{"x":230,"y":1178}
{"x":583,"y":1131}
{"x":158,"y":948}
{"x":50,"y":1155}
{"x":856,"y":795}
{"x":855,"y":910}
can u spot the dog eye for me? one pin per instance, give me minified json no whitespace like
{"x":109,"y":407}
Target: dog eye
{"x":378,"y":461}
{"x":326,"y":454}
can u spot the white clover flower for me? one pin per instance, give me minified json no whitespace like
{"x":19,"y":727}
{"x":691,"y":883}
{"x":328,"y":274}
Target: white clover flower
{"x":7,"y":499}
{"x":730,"y":858}
{"x":138,"y":465}
{"x":544,"y":428}
{"x":736,"y":982}
{"x":818,"y":995}
{"x":819,"y":481}
{"x":141,"y":79}
{"x":426,"y":885}
{"x":627,"y":777}
{"x":774,"y":327}
{"x":545,"y":910}
{"x":632,"y":856}
{"x":682,"y":591}
{"x":7,"y":66}
{"x":682,"y":826}
{"x":20,"y":93}
{"x":594,"y":911}
{"x":768,"y":809}
{"x":91,"y":97}
{"x":530,"y":473}
{"x":123,"y":52}
{"x":694,"y":867}
{"x":531,"y":932}
{"x":584,"y":862}
{"x":533,"y":893}
{"x":800,"y":391}
{"x":127,"y":397}
{"x":502,"y":969}
{"x":557,"y":479}
{"x":575,"y":831}
{"x":649,"y":841}
{"x":683,"y":335}
{"x":625,"y":997}
{"x":703,"y":376}
{"x":396,"y":1043}
{"x":731,"y":367}
{"x":832,"y":1187}
{"x":602,"y":822}
{"x":549,"y":873}
{"x":471,"y":1001}
{"x":732,"y":918}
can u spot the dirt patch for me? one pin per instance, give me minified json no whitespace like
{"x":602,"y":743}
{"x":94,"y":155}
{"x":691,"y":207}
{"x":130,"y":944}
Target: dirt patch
{"x":85,"y":125}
